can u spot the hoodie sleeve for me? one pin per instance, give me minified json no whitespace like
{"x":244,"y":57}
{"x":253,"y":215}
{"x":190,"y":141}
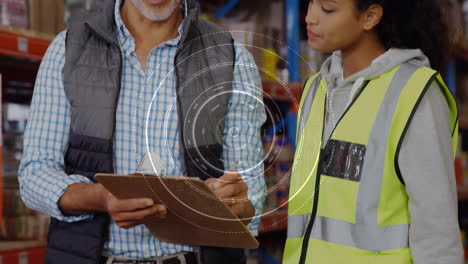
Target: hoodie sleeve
{"x":427,"y":167}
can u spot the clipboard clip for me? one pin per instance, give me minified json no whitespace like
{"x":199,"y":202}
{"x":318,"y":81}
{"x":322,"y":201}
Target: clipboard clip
{"x":150,"y":167}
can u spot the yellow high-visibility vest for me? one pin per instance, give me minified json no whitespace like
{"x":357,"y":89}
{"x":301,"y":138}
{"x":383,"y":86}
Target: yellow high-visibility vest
{"x":348,"y":202}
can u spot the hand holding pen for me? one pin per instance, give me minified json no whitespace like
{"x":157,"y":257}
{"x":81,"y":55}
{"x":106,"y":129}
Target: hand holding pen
{"x":232,"y":189}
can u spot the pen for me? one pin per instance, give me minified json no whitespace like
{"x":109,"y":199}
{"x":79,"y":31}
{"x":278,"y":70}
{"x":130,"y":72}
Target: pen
{"x":234,"y":168}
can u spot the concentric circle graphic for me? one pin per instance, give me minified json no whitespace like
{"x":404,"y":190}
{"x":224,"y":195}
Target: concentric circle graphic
{"x":230,"y":115}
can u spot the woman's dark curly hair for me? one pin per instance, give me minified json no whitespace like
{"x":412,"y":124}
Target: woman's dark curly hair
{"x":413,"y":24}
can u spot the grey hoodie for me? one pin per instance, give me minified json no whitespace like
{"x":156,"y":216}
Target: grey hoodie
{"x":426,"y":161}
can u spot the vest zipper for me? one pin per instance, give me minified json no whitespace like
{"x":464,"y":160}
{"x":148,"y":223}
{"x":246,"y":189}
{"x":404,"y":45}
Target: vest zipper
{"x":306,"y":238}
{"x":181,"y":122}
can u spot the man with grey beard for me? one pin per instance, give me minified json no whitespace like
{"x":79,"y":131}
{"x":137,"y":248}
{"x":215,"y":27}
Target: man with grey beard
{"x":138,"y":78}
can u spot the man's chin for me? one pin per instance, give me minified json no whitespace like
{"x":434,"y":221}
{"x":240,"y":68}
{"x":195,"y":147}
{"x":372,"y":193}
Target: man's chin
{"x":156,"y":12}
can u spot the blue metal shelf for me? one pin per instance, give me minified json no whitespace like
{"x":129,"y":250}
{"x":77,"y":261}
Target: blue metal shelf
{"x":293,"y":37}
{"x":292,"y":34}
{"x":226,"y":8}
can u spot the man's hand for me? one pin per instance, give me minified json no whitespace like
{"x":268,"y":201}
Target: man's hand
{"x":85,"y":198}
{"x":232,"y":189}
{"x":128,"y":213}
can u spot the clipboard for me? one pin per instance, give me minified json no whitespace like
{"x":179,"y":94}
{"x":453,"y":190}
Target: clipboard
{"x":195,"y":216}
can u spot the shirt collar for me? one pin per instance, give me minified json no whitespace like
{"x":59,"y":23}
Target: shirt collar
{"x":127,"y":41}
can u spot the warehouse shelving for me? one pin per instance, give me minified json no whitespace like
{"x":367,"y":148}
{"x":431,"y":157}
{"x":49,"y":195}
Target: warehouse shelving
{"x":283,"y":92}
{"x":20,"y":54}
{"x":272,"y":222}
{"x":460,"y":49}
{"x":23,"y":43}
{"x":22,"y":252}
{"x":462,"y":192}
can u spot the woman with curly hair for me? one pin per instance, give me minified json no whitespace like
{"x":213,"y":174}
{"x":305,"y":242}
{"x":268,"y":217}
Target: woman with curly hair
{"x":373,"y":178}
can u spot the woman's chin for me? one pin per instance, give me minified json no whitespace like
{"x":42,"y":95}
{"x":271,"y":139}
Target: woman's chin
{"x":317,"y":45}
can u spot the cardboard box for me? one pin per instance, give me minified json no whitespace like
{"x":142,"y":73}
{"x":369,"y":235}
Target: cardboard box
{"x":14,"y":13}
{"x":46,"y":16}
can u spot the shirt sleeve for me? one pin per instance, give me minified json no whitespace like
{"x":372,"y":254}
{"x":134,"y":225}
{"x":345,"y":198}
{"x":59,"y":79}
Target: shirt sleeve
{"x":41,"y":174}
{"x":243,"y":149}
{"x":427,"y":166}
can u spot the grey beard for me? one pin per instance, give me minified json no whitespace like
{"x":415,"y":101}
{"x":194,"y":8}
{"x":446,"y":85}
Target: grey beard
{"x":164,"y":15}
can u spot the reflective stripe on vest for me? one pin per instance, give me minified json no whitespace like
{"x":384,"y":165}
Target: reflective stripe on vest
{"x":361,"y":205}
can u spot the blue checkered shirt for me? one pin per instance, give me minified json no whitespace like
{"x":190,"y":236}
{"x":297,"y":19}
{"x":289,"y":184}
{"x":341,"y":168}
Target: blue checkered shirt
{"x":42,"y":177}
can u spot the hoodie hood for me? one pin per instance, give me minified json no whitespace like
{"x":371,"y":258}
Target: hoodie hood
{"x":332,"y":69}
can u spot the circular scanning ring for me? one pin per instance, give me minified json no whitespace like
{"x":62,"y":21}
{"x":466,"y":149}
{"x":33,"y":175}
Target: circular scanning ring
{"x":201,"y":160}
{"x":255,"y":47}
